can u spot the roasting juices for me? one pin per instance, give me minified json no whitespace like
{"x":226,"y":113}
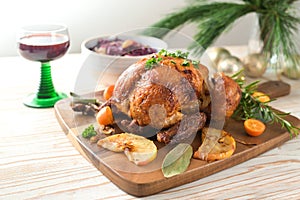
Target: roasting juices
{"x":43,"y":47}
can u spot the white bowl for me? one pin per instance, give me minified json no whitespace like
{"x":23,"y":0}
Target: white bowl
{"x":106,"y":68}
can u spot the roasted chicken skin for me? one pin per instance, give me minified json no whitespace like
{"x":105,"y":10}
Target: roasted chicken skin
{"x":159,"y":96}
{"x":226,"y":93}
{"x":171,"y":98}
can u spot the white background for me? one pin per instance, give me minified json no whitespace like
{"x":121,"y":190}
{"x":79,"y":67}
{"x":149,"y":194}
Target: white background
{"x":87,"y":18}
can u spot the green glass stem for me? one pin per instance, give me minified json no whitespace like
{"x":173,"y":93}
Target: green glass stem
{"x":46,"y":88}
{"x":46,"y":96}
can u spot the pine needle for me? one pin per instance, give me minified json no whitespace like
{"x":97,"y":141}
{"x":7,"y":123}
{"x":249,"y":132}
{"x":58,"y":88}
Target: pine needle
{"x":278,"y":27}
{"x":278,"y":22}
{"x":210,"y":23}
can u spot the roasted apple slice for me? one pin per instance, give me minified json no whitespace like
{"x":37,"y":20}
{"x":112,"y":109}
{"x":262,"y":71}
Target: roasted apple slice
{"x":216,"y":145}
{"x":138,"y":149}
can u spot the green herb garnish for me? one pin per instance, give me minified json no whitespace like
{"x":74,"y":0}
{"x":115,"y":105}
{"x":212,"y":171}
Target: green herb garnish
{"x":180,"y":54}
{"x":89,"y":131}
{"x":152,"y":62}
{"x":251,"y":107}
{"x":176,"y":54}
{"x":173,"y":62}
{"x":196,"y":63}
{"x":185,"y":63}
{"x":163,"y":52}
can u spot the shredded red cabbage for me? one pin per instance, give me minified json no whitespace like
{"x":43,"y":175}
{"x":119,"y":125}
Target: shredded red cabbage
{"x":118,"y":47}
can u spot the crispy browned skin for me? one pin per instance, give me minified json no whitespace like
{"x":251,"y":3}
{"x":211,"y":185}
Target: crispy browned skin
{"x":170,"y":85}
{"x":226,"y":95}
{"x":189,"y":126}
{"x":169,"y":98}
{"x":233,"y":94}
{"x":143,"y":100}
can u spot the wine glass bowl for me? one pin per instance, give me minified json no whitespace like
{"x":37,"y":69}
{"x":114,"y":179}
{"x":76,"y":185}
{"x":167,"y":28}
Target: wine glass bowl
{"x":43,"y":43}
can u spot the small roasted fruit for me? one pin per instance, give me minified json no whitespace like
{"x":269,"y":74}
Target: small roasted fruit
{"x":105,"y":116}
{"x":262,"y":97}
{"x":254,"y":127}
{"x":216,"y":145}
{"x":108,"y":92}
{"x":138,"y":149}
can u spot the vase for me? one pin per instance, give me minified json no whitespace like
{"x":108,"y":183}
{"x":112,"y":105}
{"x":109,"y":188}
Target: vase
{"x":277,"y":63}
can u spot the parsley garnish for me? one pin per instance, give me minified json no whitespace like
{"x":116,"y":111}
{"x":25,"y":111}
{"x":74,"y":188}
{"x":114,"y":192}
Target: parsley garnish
{"x":185,"y":63}
{"x":180,"y":54}
{"x":176,"y":54}
{"x":152,"y":62}
{"x":196,"y":63}
{"x":89,"y":131}
{"x":163,"y":52}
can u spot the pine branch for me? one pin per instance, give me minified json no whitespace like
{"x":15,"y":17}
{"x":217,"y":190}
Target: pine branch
{"x":278,"y":22}
{"x":212,"y":20}
{"x":175,"y":20}
{"x":213,"y":24}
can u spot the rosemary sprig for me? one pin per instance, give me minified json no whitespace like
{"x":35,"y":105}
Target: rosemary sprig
{"x":251,"y":107}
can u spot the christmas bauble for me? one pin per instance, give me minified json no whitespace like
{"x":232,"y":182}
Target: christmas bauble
{"x":255,"y":65}
{"x":291,"y":71}
{"x":216,"y":54}
{"x":230,"y":65}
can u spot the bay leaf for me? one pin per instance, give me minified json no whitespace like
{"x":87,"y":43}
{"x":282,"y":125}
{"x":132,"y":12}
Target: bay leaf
{"x":177,"y":160}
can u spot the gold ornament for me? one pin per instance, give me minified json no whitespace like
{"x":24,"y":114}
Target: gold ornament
{"x":217,"y":54}
{"x":291,"y":71}
{"x":230,"y":65}
{"x":255,"y":65}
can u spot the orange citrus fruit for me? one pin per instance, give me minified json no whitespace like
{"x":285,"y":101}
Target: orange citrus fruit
{"x":254,"y":127}
{"x":108,"y":92}
{"x":105,"y":116}
{"x":262,"y":97}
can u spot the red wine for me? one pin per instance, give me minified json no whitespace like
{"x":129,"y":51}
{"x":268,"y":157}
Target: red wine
{"x":43,"y":47}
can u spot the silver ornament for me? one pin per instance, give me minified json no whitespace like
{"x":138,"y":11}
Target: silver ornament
{"x":216,"y":54}
{"x":230,"y":65}
{"x":291,"y":71}
{"x":255,"y":65}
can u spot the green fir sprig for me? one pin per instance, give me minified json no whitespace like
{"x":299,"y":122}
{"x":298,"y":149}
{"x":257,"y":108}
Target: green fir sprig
{"x":278,"y":22}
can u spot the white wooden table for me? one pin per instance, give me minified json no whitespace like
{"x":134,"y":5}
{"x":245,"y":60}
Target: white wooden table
{"x":37,"y":161}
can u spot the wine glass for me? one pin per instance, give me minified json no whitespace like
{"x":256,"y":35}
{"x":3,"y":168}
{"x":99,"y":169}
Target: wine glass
{"x":43,"y":43}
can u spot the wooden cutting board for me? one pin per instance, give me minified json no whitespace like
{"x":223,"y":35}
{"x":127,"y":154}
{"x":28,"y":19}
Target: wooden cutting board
{"x":147,"y":180}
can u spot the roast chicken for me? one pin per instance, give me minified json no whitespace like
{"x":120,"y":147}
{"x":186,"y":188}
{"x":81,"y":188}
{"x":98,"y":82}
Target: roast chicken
{"x":170,"y":99}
